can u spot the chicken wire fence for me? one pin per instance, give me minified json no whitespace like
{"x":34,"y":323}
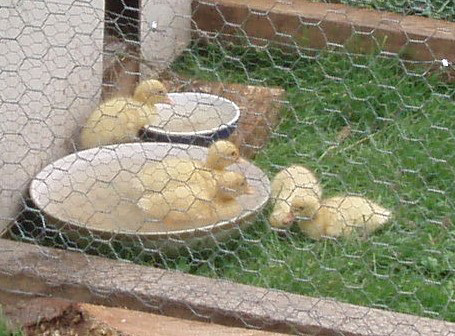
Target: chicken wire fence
{"x":440,"y":9}
{"x":371,"y":124}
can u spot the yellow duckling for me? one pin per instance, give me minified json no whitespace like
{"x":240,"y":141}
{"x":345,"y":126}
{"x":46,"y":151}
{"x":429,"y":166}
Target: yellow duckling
{"x":152,"y":92}
{"x":292,"y":185}
{"x":230,"y":185}
{"x":182,"y":205}
{"x":119,"y":119}
{"x":221,"y":154}
{"x":340,"y":216}
{"x":155,"y":175}
{"x":175,"y":199}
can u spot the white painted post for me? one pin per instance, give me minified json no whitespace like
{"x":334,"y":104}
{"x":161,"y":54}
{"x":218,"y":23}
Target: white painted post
{"x":50,"y":80}
{"x":165,"y":32}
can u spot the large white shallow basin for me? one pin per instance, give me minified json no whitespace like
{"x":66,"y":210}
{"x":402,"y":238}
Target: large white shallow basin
{"x":87,"y":194}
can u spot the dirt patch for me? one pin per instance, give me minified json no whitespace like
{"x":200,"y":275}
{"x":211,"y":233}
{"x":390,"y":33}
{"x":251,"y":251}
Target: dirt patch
{"x":72,"y":323}
{"x":58,"y":317}
{"x":54,"y":317}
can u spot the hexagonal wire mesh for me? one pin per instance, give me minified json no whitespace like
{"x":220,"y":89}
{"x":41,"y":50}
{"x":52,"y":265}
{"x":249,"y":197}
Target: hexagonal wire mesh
{"x":367,"y":121}
{"x":439,"y":9}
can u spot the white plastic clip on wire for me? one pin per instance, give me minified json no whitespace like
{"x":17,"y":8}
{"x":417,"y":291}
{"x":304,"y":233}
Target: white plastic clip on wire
{"x":154,"y":26}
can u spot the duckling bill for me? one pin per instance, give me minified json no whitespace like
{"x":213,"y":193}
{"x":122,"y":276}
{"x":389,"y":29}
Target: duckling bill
{"x":288,"y":186}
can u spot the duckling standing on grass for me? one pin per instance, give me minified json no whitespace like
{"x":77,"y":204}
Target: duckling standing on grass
{"x":341,"y":216}
{"x":290,"y":187}
{"x":190,"y":205}
{"x":119,"y":119}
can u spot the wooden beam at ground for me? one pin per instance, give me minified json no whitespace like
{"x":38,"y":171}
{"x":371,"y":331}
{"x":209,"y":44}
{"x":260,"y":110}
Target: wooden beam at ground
{"x":318,"y":25}
{"x":45,"y":271}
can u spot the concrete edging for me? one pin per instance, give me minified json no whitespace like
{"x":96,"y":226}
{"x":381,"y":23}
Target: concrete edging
{"x":41,"y":271}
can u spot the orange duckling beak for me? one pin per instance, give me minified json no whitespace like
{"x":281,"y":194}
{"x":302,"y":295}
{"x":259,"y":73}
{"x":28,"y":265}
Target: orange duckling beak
{"x":168,"y":100}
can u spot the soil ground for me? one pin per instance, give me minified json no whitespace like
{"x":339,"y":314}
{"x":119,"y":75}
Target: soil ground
{"x":57,"y":317}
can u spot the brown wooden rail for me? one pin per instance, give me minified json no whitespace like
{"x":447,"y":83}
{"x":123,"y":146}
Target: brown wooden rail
{"x":35,"y":270}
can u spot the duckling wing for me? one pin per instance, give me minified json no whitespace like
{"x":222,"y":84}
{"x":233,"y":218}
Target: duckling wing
{"x":278,"y":183}
{"x":179,"y":205}
{"x":182,"y":170}
{"x":351,"y":213}
{"x":306,"y":183}
{"x":333,"y":219}
{"x":133,"y":116}
{"x":175,"y":197}
{"x":114,"y":121}
{"x":154,"y":205}
{"x":191,"y":208}
{"x":156,"y":175}
{"x":367,"y":215}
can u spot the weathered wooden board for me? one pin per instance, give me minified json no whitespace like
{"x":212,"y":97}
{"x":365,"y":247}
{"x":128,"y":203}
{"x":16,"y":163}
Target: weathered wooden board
{"x":44,"y":271}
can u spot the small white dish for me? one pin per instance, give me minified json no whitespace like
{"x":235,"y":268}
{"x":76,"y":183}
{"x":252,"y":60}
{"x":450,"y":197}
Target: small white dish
{"x":195,"y":118}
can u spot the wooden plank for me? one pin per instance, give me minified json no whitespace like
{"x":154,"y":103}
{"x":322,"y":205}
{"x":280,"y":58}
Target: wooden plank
{"x":44,"y":271}
{"x":317,"y":25}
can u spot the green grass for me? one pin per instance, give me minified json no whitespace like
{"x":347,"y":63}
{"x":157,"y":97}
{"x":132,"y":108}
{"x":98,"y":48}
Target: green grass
{"x":438,"y":9}
{"x":4,"y":330}
{"x":407,"y":165}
